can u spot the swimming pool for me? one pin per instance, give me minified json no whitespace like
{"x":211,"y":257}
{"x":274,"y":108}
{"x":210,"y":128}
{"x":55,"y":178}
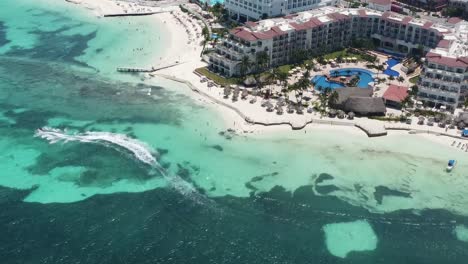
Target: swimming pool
{"x":365,"y":77}
{"x":212,"y":2}
{"x":390,"y":63}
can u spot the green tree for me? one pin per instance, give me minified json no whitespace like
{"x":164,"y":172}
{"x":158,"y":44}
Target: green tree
{"x":206,"y":33}
{"x":333,"y":98}
{"x":400,"y":79}
{"x":380,"y":68}
{"x":245,"y":65}
{"x":263,"y":59}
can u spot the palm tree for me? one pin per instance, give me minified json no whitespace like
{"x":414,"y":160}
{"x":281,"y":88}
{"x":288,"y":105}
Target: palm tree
{"x":245,"y":65}
{"x":333,"y":98}
{"x":283,"y":78}
{"x":380,"y":68}
{"x":262,"y":59}
{"x":400,"y":79}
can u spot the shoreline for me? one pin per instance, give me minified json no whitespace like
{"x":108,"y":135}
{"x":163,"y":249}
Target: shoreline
{"x":241,"y":115}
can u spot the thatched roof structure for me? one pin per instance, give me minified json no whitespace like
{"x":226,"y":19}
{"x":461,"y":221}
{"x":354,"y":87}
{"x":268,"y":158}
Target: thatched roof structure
{"x":461,"y":120}
{"x":250,"y":81}
{"x":365,"y":105}
{"x":345,"y":93}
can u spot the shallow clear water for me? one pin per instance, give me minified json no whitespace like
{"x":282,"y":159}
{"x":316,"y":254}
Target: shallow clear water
{"x":219,"y":197}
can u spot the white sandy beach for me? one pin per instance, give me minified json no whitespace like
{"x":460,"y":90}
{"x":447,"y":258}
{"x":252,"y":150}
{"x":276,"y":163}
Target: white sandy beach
{"x":184,"y":35}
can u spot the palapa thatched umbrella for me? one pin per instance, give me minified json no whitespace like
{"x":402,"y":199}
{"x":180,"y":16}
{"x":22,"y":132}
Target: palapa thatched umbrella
{"x":244,"y":94}
{"x":270,"y":107}
{"x":332,"y":113}
{"x":281,"y":101}
{"x":461,"y":125}
{"x":310,"y":110}
{"x":279,"y":110}
{"x":430,"y":122}
{"x":351,"y":115}
{"x":253,"y":100}
{"x":300,"y":109}
{"x":290,"y":108}
{"x":341,"y":114}
{"x":250,"y":81}
{"x":421,"y":120}
{"x":448,"y":120}
{"x":227,"y":92}
{"x":264,"y":103}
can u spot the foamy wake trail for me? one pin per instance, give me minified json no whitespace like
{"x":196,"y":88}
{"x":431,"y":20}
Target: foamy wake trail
{"x":138,"y":149}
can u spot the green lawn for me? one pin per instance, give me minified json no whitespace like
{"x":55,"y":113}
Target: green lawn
{"x":343,"y":53}
{"x":215,"y":77}
{"x":414,"y":80}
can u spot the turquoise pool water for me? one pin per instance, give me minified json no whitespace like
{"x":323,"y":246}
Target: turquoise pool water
{"x":390,"y":63}
{"x":365,"y":77}
{"x":212,"y":2}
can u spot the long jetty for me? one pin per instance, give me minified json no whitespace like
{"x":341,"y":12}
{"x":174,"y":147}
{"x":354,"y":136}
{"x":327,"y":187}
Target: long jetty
{"x":135,"y":14}
{"x":152,"y":69}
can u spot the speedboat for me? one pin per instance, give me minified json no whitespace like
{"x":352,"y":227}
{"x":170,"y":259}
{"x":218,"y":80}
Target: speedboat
{"x":450,"y":165}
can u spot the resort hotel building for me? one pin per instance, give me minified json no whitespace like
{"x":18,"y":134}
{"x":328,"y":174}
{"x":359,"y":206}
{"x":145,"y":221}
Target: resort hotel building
{"x":445,"y":74}
{"x":245,"y":10}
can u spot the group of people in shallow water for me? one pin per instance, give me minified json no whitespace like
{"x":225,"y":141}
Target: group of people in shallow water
{"x":464,"y":146}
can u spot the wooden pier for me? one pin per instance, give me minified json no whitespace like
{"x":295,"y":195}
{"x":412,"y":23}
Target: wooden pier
{"x":152,"y":69}
{"x":134,"y":14}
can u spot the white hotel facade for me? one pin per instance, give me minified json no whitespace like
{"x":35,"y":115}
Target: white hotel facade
{"x":444,"y":80}
{"x":256,"y":9}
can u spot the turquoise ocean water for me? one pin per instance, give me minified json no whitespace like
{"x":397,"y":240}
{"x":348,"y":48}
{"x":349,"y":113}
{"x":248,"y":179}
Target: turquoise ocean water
{"x":290,"y":197}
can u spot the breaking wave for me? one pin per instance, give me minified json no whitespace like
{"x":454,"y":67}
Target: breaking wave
{"x":138,"y":149}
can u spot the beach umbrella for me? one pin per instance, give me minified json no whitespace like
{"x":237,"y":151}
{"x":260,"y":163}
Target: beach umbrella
{"x":421,"y":120}
{"x":270,"y":106}
{"x":461,"y":125}
{"x":332,"y":113}
{"x":245,"y":93}
{"x":448,"y":120}
{"x":310,"y":110}
{"x":264,"y":103}
{"x":253,"y":100}
{"x":227,"y":92}
{"x":341,"y":114}
{"x":250,"y":81}
{"x":279,"y":110}
{"x":290,"y":108}
{"x":351,"y":115}
{"x":300,"y":109}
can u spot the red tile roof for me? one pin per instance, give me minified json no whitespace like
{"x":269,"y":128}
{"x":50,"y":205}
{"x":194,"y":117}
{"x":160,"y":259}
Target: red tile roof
{"x":444,"y":43}
{"x":406,"y":20}
{"x":447,"y":61}
{"x":427,"y":25}
{"x":454,"y":20}
{"x":338,"y":16}
{"x":396,"y":93}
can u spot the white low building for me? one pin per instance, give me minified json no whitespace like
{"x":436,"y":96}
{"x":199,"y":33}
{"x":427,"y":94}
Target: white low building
{"x":379,"y":5}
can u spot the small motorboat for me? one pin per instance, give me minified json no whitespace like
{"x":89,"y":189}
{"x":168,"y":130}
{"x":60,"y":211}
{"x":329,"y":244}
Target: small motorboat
{"x":450,"y":165}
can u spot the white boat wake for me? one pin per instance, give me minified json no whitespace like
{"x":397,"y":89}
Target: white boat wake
{"x":138,"y":149}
